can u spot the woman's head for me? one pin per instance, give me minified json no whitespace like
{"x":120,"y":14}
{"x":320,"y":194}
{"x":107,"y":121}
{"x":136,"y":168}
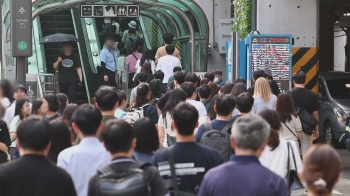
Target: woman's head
{"x":322,"y":167}
{"x":50,"y":104}
{"x":238,"y":80}
{"x":272,"y":118}
{"x":211,"y":112}
{"x":204,"y":81}
{"x":177,"y":95}
{"x":226,"y":89}
{"x":285,"y":107}
{"x":146,"y":56}
{"x":147,"y":68}
{"x":63,"y":102}
{"x":134,"y":47}
{"x":122,"y":100}
{"x":5,"y":89}
{"x":68,"y":113}
{"x":155,"y":85}
{"x":262,"y":88}
{"x":36,"y":107}
{"x":146,"y":134}
{"x":238,"y":89}
{"x":61,"y":139}
{"x":143,"y":95}
{"x":214,"y":90}
{"x":22,"y":108}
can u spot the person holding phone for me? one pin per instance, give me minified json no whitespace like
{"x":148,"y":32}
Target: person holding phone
{"x":69,"y":67}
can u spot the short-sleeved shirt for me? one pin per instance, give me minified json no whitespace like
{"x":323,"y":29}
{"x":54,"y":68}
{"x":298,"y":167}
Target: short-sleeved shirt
{"x":199,"y":106}
{"x":109,"y":58}
{"x":121,"y":64}
{"x":216,"y":124}
{"x":193,"y":162}
{"x":156,"y":183}
{"x":52,"y":118}
{"x":206,"y":104}
{"x":5,"y":102}
{"x":260,"y":104}
{"x":166,"y":124}
{"x":162,"y":52}
{"x":13,"y":128}
{"x":167,"y":64}
{"x":292,"y":125}
{"x":119,"y":113}
{"x":67,"y":68}
{"x":164,"y":99}
{"x":306,"y":99}
{"x":151,"y":112}
{"x":131,"y":60}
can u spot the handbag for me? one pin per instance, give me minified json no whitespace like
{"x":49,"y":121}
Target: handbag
{"x":170,"y":139}
{"x":293,"y":181}
{"x":299,"y":142}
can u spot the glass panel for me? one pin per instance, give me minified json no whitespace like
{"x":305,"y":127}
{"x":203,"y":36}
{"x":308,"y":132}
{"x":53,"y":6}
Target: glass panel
{"x":199,"y":14}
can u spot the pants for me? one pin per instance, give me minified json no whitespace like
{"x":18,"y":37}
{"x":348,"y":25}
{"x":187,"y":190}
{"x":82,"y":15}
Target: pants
{"x":111,"y":79}
{"x":12,"y":151}
{"x":306,"y":143}
{"x":69,"y":89}
{"x":131,"y":77}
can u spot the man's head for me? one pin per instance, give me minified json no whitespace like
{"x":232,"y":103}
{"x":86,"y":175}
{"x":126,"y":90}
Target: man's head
{"x":106,"y":98}
{"x":176,"y":69}
{"x":210,"y":76}
{"x":113,"y":29}
{"x":110,"y":41}
{"x":170,"y":49}
{"x":34,"y":134}
{"x":155,"y":85}
{"x":142,"y":77}
{"x":191,"y":77}
{"x":168,"y":38}
{"x":204,"y":91}
{"x":189,"y":88}
{"x":299,"y":77}
{"x":159,"y":75}
{"x":118,"y":137}
{"x":86,"y":121}
{"x":258,"y":74}
{"x":185,"y":119}
{"x":250,"y":134}
{"x":67,"y":48}
{"x":140,"y":42}
{"x":179,"y":79}
{"x":224,"y":106}
{"x":20,"y":92}
{"x":245,"y":102}
{"x":132,"y":26}
{"x":218,"y":74}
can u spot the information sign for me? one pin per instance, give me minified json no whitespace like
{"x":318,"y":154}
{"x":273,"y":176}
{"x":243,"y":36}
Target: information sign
{"x":107,"y":11}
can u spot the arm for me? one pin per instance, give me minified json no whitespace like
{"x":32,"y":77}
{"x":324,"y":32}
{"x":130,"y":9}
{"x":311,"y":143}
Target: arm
{"x":199,"y":134}
{"x":3,"y":147}
{"x":161,"y":130}
{"x":316,"y":133}
{"x":57,"y":63}
{"x":80,"y":74}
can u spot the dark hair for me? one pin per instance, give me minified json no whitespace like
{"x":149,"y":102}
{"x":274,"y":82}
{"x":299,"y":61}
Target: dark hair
{"x":170,"y":49}
{"x":172,"y":85}
{"x":285,"y":107}
{"x":62,"y":100}
{"x":214,"y":89}
{"x":176,"y":69}
{"x":5,"y":87}
{"x":20,"y":87}
{"x":140,"y":42}
{"x":204,"y":81}
{"x":68,"y":113}
{"x":211,"y":112}
{"x":132,"y":30}
{"x":238,"y":89}
{"x":179,"y":77}
{"x":142,"y":77}
{"x":272,"y":118}
{"x":61,"y":139}
{"x":147,"y":68}
{"x":204,"y":91}
{"x":225,"y":104}
{"x":159,"y":75}
{"x":134,"y":47}
{"x":155,"y":85}
{"x":185,"y":117}
{"x":113,"y":29}
{"x":245,"y":102}
{"x":142,"y":92}
{"x":176,"y":96}
{"x":299,"y":77}
{"x":237,"y":80}
{"x":110,"y":38}
{"x":87,"y":118}
{"x":227,"y":88}
{"x":189,"y":88}
{"x":121,"y":97}
{"x":146,"y":134}
{"x":34,"y":133}
{"x":258,"y":74}
{"x":217,"y":71}
{"x":146,"y":56}
{"x":274,"y":87}
{"x":117,"y":136}
{"x":53,"y":102}
{"x":19,"y":106}
{"x":106,"y":98}
{"x":210,"y":76}
{"x":121,"y":45}
{"x":321,"y":162}
{"x":36,"y":104}
{"x":168,"y":38}
{"x":123,"y":51}
{"x":191,"y":77}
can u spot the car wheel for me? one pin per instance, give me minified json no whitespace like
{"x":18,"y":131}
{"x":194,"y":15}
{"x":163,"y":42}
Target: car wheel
{"x":329,"y":134}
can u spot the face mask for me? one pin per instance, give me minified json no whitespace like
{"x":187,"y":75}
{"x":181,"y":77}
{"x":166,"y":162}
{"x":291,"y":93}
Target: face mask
{"x":216,"y":79}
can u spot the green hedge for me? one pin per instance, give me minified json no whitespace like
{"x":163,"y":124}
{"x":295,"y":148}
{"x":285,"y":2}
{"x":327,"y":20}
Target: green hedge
{"x":242,"y":22}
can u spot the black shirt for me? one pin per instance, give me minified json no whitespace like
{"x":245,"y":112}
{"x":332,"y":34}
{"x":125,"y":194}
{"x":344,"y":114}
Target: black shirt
{"x":164,"y":99}
{"x":67,"y":68}
{"x":196,"y":160}
{"x":4,"y":134}
{"x":306,"y":99}
{"x":157,"y":185}
{"x":34,"y":175}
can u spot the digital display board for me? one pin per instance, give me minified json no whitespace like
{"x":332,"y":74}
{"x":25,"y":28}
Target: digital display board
{"x":106,"y":11}
{"x":273,"y":55}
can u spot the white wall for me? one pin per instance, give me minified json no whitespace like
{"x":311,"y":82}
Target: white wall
{"x":339,"y":52}
{"x":296,"y":17}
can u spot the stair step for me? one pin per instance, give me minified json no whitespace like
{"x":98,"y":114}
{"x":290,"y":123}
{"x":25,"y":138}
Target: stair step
{"x":57,"y":24}
{"x":50,"y":31}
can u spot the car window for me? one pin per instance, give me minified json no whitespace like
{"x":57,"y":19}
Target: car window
{"x":321,"y":89}
{"x":337,"y":88}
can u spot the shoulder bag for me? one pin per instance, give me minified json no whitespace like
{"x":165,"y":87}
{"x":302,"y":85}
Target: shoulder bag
{"x":170,"y":139}
{"x":293,"y":181}
{"x":299,"y":142}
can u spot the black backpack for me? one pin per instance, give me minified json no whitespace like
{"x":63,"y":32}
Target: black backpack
{"x":123,"y":183}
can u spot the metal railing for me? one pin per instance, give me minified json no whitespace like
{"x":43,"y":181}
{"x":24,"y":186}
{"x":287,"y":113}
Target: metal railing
{"x":46,"y":84}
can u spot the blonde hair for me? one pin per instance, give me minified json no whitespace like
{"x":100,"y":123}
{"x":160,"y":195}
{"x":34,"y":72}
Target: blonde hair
{"x":262,"y":88}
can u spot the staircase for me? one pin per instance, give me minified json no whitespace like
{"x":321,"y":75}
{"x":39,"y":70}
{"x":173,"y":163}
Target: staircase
{"x":59,"y":22}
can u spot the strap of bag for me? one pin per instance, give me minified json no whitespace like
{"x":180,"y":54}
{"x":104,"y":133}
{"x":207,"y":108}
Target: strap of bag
{"x":291,"y":131}
{"x":109,"y":170}
{"x":166,"y":122}
{"x":208,"y":126}
{"x":173,"y":172}
{"x":295,"y":164}
{"x":135,"y":57}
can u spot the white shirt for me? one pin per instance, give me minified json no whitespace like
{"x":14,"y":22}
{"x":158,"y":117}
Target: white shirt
{"x":138,"y":67}
{"x":82,"y":162}
{"x":166,"y":64}
{"x":134,"y":92}
{"x":167,"y":127}
{"x":10,"y":113}
{"x":260,"y":104}
{"x":276,"y":160}
{"x":5,"y":102}
{"x":199,"y":106}
{"x":294,"y":125}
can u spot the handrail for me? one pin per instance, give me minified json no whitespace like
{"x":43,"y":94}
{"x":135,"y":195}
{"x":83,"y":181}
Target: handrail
{"x":40,"y":88}
{"x":144,"y":32}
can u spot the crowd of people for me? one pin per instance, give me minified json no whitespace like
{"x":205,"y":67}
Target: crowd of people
{"x":180,"y":135}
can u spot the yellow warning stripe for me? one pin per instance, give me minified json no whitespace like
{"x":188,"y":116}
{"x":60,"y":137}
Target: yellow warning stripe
{"x":178,"y":46}
{"x":155,"y":31}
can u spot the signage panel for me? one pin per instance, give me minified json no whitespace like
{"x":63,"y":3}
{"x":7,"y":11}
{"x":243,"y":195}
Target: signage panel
{"x":109,"y":11}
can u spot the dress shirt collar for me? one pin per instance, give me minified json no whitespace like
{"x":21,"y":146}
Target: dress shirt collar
{"x":89,"y":141}
{"x":245,"y":159}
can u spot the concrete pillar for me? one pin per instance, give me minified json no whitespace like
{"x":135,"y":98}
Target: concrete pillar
{"x":339,"y":51}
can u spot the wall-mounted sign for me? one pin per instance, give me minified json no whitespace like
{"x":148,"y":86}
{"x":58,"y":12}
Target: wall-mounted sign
{"x":109,"y":11}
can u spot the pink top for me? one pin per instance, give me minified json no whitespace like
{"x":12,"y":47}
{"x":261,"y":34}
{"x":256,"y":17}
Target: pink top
{"x":130,"y":62}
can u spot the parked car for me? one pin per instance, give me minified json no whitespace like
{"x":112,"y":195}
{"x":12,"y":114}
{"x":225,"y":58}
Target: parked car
{"x":334,"y":98}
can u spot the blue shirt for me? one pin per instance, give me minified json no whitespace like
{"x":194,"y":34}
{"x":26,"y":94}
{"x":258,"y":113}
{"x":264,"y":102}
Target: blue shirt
{"x":243,"y":176}
{"x":119,"y":113}
{"x":217,"y":125}
{"x":107,"y":57}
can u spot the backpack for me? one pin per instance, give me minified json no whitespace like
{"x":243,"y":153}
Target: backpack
{"x":219,"y":140}
{"x":123,"y":183}
{"x":131,"y":42}
{"x":135,"y":114}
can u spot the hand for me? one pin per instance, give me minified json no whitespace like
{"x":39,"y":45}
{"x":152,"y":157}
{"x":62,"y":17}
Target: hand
{"x":59,"y":59}
{"x":80,"y":82}
{"x":105,"y":78}
{"x":316,"y":134}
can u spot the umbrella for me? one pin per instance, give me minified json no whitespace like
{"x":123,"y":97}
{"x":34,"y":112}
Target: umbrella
{"x":59,"y":38}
